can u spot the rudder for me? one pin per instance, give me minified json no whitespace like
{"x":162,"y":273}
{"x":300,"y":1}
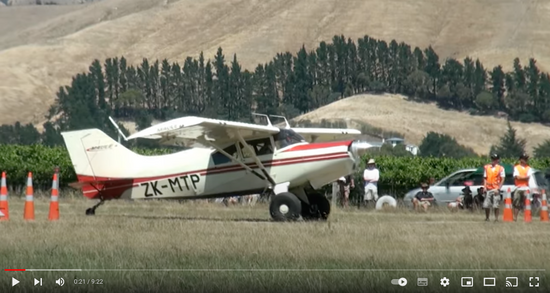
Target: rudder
{"x":95,"y":154}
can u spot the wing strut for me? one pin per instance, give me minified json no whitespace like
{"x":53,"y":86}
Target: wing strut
{"x":258,"y":162}
{"x":208,"y":143}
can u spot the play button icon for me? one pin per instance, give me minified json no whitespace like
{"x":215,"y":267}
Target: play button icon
{"x":14,"y":281}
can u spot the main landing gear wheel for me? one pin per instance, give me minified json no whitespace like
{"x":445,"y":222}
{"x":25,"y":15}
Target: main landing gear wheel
{"x":285,"y":206}
{"x":318,"y":209}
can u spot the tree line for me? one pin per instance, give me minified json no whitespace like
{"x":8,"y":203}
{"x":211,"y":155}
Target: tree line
{"x":289,"y":84}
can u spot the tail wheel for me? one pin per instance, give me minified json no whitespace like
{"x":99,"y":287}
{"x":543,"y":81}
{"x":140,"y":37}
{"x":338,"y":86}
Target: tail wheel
{"x":285,"y":206}
{"x":318,"y":209}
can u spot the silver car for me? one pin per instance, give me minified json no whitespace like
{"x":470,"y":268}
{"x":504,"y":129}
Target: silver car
{"x":450,"y":188}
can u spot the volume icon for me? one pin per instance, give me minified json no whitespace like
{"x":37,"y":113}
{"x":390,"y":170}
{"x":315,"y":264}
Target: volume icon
{"x":60,"y":282}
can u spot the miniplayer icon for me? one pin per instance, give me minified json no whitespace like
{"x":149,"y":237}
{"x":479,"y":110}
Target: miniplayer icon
{"x":467,"y":281}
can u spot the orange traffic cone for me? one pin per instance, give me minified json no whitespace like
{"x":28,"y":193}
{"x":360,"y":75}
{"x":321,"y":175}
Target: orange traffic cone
{"x":29,"y":200}
{"x":508,"y":215}
{"x":4,"y":209}
{"x":527,"y":212}
{"x":544,"y":208}
{"x":54,"y":203}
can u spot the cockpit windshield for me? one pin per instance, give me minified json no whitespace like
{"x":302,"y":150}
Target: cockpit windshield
{"x":287,"y":137}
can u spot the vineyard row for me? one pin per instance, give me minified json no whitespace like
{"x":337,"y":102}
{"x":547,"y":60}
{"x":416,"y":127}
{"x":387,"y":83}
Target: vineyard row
{"x":398,"y":174}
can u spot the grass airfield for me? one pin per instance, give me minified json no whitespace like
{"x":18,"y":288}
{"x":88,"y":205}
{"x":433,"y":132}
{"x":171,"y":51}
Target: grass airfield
{"x":207,"y":247}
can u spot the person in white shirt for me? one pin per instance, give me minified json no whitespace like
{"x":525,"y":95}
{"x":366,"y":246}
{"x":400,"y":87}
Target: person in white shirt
{"x":371,"y":175}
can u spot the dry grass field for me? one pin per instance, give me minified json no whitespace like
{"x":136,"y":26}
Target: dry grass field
{"x":414,"y":120}
{"x":39,"y":57}
{"x":200,"y":247}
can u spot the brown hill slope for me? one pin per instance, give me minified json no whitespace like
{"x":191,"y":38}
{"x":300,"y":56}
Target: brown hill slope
{"x":33,"y":66}
{"x":414,"y":120}
{"x":42,"y":24}
{"x":16,"y":19}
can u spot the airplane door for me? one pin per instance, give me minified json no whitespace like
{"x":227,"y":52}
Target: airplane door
{"x":198,"y":182}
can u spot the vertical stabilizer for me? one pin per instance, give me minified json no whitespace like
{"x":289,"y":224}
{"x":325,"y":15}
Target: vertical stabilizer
{"x":95,"y":154}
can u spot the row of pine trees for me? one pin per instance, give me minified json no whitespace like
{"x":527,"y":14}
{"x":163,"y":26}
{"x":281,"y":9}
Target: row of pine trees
{"x":287,"y":85}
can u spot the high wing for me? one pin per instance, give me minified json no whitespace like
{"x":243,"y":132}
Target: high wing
{"x":188,"y":130}
{"x":327,"y":134}
{"x":213,"y":133}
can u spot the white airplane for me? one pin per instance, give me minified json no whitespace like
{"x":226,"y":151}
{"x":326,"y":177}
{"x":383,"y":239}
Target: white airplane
{"x":235,"y":159}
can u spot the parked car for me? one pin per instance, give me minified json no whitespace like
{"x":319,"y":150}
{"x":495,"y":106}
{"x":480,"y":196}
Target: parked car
{"x":450,"y":188}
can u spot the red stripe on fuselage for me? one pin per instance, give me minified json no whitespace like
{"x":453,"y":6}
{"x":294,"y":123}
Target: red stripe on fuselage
{"x":110,"y":188}
{"x":114,"y":187}
{"x":319,"y":145}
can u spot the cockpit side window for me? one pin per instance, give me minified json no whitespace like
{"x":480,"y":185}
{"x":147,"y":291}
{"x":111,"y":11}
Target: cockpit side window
{"x":220,"y":158}
{"x":264,"y":147}
{"x":259,"y":146}
{"x":287,"y":137}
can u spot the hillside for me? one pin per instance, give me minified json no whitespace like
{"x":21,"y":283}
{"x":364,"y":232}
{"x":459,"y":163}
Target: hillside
{"x":16,"y":20}
{"x":414,"y":120}
{"x":44,"y":2}
{"x":38,"y":58}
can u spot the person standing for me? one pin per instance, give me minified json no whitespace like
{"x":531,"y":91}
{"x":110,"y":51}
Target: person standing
{"x":371,"y":175}
{"x":522,"y":175}
{"x":493,"y":178}
{"x":345,"y":184}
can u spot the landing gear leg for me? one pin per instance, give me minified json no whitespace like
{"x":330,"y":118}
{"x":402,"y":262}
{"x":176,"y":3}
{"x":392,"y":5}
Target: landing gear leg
{"x":91,"y":211}
{"x":318,"y":209}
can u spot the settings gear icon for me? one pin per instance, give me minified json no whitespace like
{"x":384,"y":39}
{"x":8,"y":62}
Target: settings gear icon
{"x":445,"y":282}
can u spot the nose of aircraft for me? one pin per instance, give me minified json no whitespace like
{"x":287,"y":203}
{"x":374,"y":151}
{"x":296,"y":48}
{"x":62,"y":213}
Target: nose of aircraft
{"x":358,"y":148}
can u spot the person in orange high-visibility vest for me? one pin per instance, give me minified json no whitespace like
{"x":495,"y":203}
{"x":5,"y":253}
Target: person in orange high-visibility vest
{"x":522,"y":174}
{"x":493,"y":178}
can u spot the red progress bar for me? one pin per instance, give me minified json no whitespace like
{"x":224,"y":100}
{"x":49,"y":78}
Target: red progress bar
{"x":14,"y":270}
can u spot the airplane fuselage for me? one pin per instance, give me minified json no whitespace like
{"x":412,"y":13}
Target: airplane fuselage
{"x":195,"y":173}
{"x":228,"y":158}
